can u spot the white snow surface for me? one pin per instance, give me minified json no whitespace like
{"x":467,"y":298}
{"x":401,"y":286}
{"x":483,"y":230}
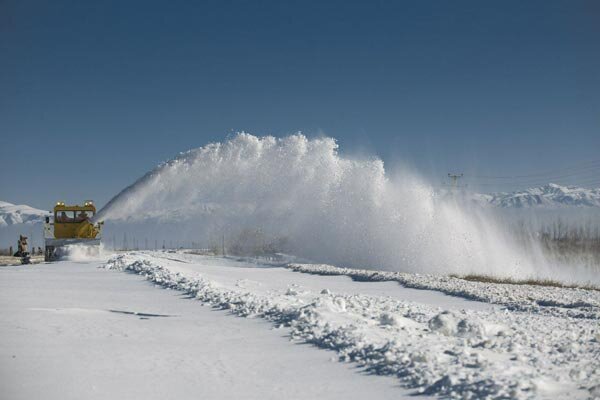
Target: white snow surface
{"x":72,"y":331}
{"x":569,"y":302}
{"x":12,"y":214}
{"x":532,"y":342}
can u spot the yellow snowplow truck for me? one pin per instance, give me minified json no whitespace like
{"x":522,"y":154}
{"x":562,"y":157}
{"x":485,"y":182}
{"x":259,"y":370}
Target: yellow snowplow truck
{"x":71,"y":225}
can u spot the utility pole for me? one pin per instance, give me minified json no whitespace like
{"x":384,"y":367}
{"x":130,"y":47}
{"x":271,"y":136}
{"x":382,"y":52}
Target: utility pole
{"x":454,"y":178}
{"x":223,"y":245}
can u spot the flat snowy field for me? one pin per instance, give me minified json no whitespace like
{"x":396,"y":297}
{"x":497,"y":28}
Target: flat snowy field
{"x":73,"y":330}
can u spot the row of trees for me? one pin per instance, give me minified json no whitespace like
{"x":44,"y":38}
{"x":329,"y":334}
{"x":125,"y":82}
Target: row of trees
{"x":561,"y":239}
{"x":560,"y":230}
{"x":247,"y":242}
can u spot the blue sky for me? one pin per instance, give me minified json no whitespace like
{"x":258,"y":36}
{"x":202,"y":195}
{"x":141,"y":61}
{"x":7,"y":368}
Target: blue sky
{"x":94,"y":94}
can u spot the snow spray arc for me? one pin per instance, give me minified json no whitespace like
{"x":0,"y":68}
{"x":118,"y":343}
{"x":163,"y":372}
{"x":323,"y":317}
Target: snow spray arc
{"x":328,"y":208}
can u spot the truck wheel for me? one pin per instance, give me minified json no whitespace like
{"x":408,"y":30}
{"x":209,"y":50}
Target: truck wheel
{"x":49,"y":253}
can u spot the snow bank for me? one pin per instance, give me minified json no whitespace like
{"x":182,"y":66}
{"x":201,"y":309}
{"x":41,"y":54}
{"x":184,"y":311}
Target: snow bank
{"x":471,"y":354}
{"x":571,"y":302}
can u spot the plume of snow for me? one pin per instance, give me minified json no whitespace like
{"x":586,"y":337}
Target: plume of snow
{"x":328,"y":208}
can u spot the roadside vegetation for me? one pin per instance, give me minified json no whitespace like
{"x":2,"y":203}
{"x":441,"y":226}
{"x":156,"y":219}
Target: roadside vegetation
{"x":536,"y":282}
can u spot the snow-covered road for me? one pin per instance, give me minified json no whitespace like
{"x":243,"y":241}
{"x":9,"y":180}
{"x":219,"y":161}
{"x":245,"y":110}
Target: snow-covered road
{"x":519,"y":342}
{"x":71,"y":330}
{"x":68,"y":333}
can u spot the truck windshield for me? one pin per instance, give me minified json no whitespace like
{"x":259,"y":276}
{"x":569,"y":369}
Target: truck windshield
{"x":72,"y":216}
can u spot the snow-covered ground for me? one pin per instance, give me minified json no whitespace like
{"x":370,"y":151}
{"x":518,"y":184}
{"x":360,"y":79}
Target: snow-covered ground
{"x":572,"y":302}
{"x":537,"y":343}
{"x":73,"y":330}
{"x":70,"y":330}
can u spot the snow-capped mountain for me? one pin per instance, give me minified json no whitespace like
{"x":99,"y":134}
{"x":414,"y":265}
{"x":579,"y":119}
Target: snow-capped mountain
{"x":548,"y":196}
{"x":12,"y":214}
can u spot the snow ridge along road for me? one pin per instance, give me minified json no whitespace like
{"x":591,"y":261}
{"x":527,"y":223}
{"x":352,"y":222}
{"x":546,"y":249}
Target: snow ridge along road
{"x":571,"y":302}
{"x":436,"y":344}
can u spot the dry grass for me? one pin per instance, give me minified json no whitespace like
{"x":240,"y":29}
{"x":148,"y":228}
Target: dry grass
{"x":535,"y":282}
{"x":203,"y":252}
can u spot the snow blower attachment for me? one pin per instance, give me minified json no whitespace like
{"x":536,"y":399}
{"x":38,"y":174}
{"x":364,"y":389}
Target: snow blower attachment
{"x":72,"y":226}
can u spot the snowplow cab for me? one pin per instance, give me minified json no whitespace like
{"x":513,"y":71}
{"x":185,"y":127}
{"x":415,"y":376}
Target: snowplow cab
{"x":74,"y":222}
{"x":71,"y":225}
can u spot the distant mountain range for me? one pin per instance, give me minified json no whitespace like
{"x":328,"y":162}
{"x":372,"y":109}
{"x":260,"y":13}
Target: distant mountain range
{"x":12,"y":214}
{"x":550,"y":196}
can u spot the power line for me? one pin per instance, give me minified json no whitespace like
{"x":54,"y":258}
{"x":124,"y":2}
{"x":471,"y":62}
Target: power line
{"x":540,"y":182}
{"x":580,"y":167}
{"x":590,"y":176}
{"x":454,"y":178}
{"x":590,"y":183}
{"x":583,"y":174}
